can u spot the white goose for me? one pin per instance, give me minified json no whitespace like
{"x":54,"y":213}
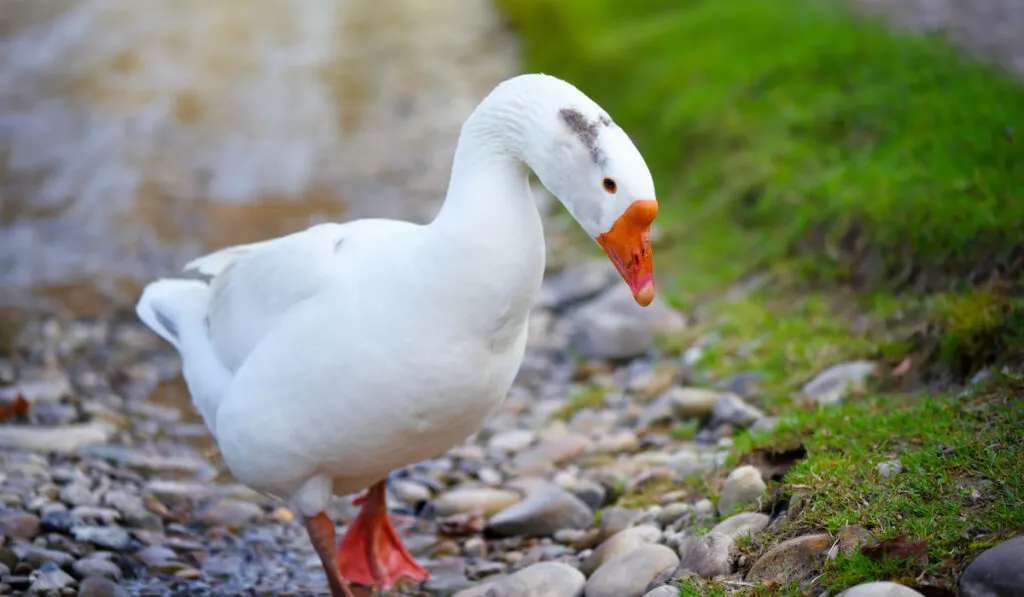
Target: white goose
{"x":324,"y":359}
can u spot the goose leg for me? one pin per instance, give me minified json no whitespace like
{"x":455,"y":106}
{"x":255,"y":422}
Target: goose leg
{"x":371,"y":552}
{"x":321,"y":535}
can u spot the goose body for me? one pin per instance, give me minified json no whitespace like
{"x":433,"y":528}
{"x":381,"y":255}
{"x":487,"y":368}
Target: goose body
{"x":324,"y":359}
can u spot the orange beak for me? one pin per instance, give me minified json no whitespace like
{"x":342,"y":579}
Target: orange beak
{"x":628,"y":245}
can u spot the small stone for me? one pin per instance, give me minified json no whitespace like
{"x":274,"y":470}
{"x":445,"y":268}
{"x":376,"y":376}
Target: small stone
{"x":154,"y":555}
{"x":283,"y":515}
{"x":618,"y":544}
{"x":475,"y":500}
{"x":109,"y":537}
{"x":543,"y":512}
{"x":832,"y":384}
{"x":576,"y":283}
{"x":708,"y":556}
{"x":879,"y":589}
{"x":733,"y":410}
{"x":792,"y":560}
{"x":96,"y":586}
{"x":663,"y":591}
{"x":592,"y":494}
{"x":743,"y":486}
{"x":544,"y":579}
{"x":36,"y":556}
{"x":613,"y":326}
{"x":889,"y":468}
{"x":764,"y":425}
{"x":78,"y":494}
{"x":693,"y":403}
{"x":851,"y":539}
{"x":229,"y":512}
{"x":628,"y":574}
{"x":133,"y":508}
{"x":475,"y":547}
{"x":49,"y":578}
{"x":997,"y":571}
{"x":49,"y":389}
{"x":87,"y":567}
{"x":744,"y":523}
{"x":704,"y":508}
{"x":188,"y":574}
{"x":93,"y":514}
{"x":58,"y":438}
{"x":410,"y":492}
{"x":614,"y":520}
{"x":15,"y":524}
{"x":673,"y":512}
{"x":512,"y":441}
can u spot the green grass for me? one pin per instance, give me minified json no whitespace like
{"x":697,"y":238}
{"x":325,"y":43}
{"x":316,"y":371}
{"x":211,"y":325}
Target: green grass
{"x":960,"y":489}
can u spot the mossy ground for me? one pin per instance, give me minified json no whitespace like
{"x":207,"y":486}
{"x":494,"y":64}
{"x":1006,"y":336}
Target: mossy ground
{"x":863,"y":190}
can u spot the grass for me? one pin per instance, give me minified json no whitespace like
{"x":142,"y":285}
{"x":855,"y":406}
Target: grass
{"x":871,"y":183}
{"x":959,"y":491}
{"x":786,"y":133}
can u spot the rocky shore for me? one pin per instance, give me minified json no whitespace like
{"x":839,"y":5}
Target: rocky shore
{"x":594,"y":478}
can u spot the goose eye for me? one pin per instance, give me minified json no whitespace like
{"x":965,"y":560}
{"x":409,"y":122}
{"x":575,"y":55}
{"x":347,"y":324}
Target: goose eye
{"x":609,"y":185}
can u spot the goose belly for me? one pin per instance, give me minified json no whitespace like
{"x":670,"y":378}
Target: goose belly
{"x":358,"y":421}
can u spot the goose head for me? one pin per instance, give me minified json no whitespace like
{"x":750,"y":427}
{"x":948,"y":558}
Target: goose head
{"x":592,"y":166}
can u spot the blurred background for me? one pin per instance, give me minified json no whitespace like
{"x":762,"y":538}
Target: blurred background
{"x":842,"y":198}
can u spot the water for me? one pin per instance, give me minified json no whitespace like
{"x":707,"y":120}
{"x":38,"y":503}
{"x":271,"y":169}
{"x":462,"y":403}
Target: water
{"x":137,"y":135}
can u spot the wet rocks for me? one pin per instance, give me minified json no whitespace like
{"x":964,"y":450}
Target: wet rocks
{"x":50,"y":578}
{"x":541,"y":513}
{"x":744,"y":485}
{"x":996,"y":572}
{"x":96,"y":566}
{"x":628,"y":574}
{"x":707,"y":556}
{"x":794,"y":559}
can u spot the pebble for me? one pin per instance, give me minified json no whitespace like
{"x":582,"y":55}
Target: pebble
{"x":576,"y":283}
{"x":543,"y":579}
{"x":49,"y":389}
{"x":744,"y":523}
{"x":229,"y":512}
{"x":57,"y":438}
{"x":543,"y":513}
{"x":613,"y":326}
{"x":889,"y":468}
{"x":481,"y":500}
{"x":109,"y":537}
{"x":512,"y":441}
{"x":733,"y":410}
{"x":996,"y":572}
{"x":87,"y":567}
{"x":78,"y":494}
{"x":744,"y":485}
{"x":622,"y":542}
{"x":36,"y":556}
{"x":663,"y":591}
{"x":614,"y":520}
{"x":707,"y":556}
{"x":879,"y":589}
{"x":15,"y":524}
{"x":97,"y":586}
{"x":792,"y":560}
{"x":628,"y":574}
{"x":49,"y":577}
{"x":832,"y":384}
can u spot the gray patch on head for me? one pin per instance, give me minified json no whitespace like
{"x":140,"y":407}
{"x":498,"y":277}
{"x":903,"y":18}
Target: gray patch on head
{"x":587,"y":131}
